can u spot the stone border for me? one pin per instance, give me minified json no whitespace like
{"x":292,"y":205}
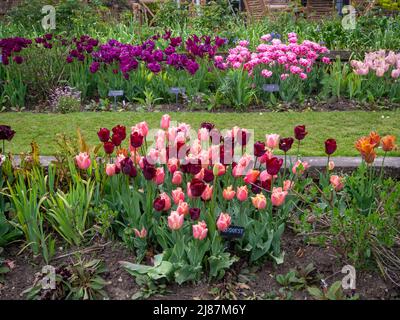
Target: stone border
{"x":342,"y":164}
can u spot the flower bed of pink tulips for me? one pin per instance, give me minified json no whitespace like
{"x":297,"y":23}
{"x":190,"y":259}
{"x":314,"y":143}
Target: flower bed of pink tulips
{"x":191,"y":186}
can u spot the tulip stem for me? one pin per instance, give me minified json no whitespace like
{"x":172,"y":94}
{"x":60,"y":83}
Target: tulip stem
{"x":3,"y":151}
{"x":298,"y":150}
{"x":327,"y":163}
{"x":284,"y":169}
{"x":383,"y":163}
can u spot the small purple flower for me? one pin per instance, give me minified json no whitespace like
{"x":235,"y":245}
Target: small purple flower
{"x":154,"y":67}
{"x":94,"y":67}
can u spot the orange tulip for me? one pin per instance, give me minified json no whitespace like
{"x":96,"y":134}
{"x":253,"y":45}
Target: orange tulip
{"x":366,"y":148}
{"x":374,"y":138}
{"x":388,"y":143}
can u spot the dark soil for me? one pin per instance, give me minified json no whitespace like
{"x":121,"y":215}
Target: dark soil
{"x":241,"y":282}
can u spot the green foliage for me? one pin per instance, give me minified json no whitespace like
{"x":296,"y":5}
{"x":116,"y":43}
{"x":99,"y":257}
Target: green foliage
{"x":68,"y":104}
{"x":80,"y":280}
{"x":69,"y":212}
{"x":27,"y":201}
{"x":389,"y":4}
{"x":236,"y":89}
{"x":334,"y":292}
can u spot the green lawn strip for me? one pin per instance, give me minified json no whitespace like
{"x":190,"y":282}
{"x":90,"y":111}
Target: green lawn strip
{"x":345,"y":127}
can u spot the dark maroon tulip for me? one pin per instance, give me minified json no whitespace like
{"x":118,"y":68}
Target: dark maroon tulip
{"x":259,"y":149}
{"x":149,"y":171}
{"x":120,"y":130}
{"x":208,"y":125}
{"x":159,"y":204}
{"x":116,"y":139}
{"x":194,"y":168}
{"x":194,"y":213}
{"x":109,"y":147}
{"x":6,"y":133}
{"x":208,"y":175}
{"x":136,"y":140}
{"x":255,"y":187}
{"x":274,"y":165}
{"x":197,"y":187}
{"x":285,"y":144}
{"x":266,"y":185}
{"x":128,"y":168}
{"x":300,"y":132}
{"x":104,"y":134}
{"x":330,"y":146}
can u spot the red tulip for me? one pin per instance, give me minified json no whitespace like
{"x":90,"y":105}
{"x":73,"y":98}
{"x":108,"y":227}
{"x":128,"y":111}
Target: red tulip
{"x":197,"y":187}
{"x":109,"y":147}
{"x":285,"y":144}
{"x":274,"y":165}
{"x":259,"y":149}
{"x":330,"y":146}
{"x":104,"y":134}
{"x":159,"y":204}
{"x":120,"y":130}
{"x":136,"y":140}
{"x":300,"y":132}
{"x":116,"y":139}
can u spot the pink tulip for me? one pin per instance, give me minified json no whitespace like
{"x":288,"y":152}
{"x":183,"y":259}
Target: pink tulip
{"x":395,"y":73}
{"x":153,"y":156}
{"x":337,"y":182}
{"x":178,"y":195}
{"x":207,"y":193}
{"x":219,"y":169}
{"x":331,"y":165}
{"x":175,"y":220}
{"x":272,"y":140}
{"x":228,"y":193}
{"x":167,"y":199}
{"x":173,"y":164}
{"x":189,"y":192}
{"x":288,"y":185}
{"x":144,"y":128}
{"x":242,"y":193}
{"x":165,"y":121}
{"x":265,"y":176}
{"x":200,"y":230}
{"x":265,"y":157}
{"x":259,"y":201}
{"x":278,"y":196}
{"x":183,"y":208}
{"x":299,"y":167}
{"x":160,"y":176}
{"x":140,"y":234}
{"x":200,"y":175}
{"x":251,"y":176}
{"x":223,"y":222}
{"x":203,"y":134}
{"x":177,"y":178}
{"x":110,"y":169}
{"x":83,"y":161}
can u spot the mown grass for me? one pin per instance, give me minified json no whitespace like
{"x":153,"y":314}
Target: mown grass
{"x":345,"y":127}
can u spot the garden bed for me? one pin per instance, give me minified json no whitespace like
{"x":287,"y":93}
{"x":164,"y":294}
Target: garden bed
{"x":241,"y":282}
